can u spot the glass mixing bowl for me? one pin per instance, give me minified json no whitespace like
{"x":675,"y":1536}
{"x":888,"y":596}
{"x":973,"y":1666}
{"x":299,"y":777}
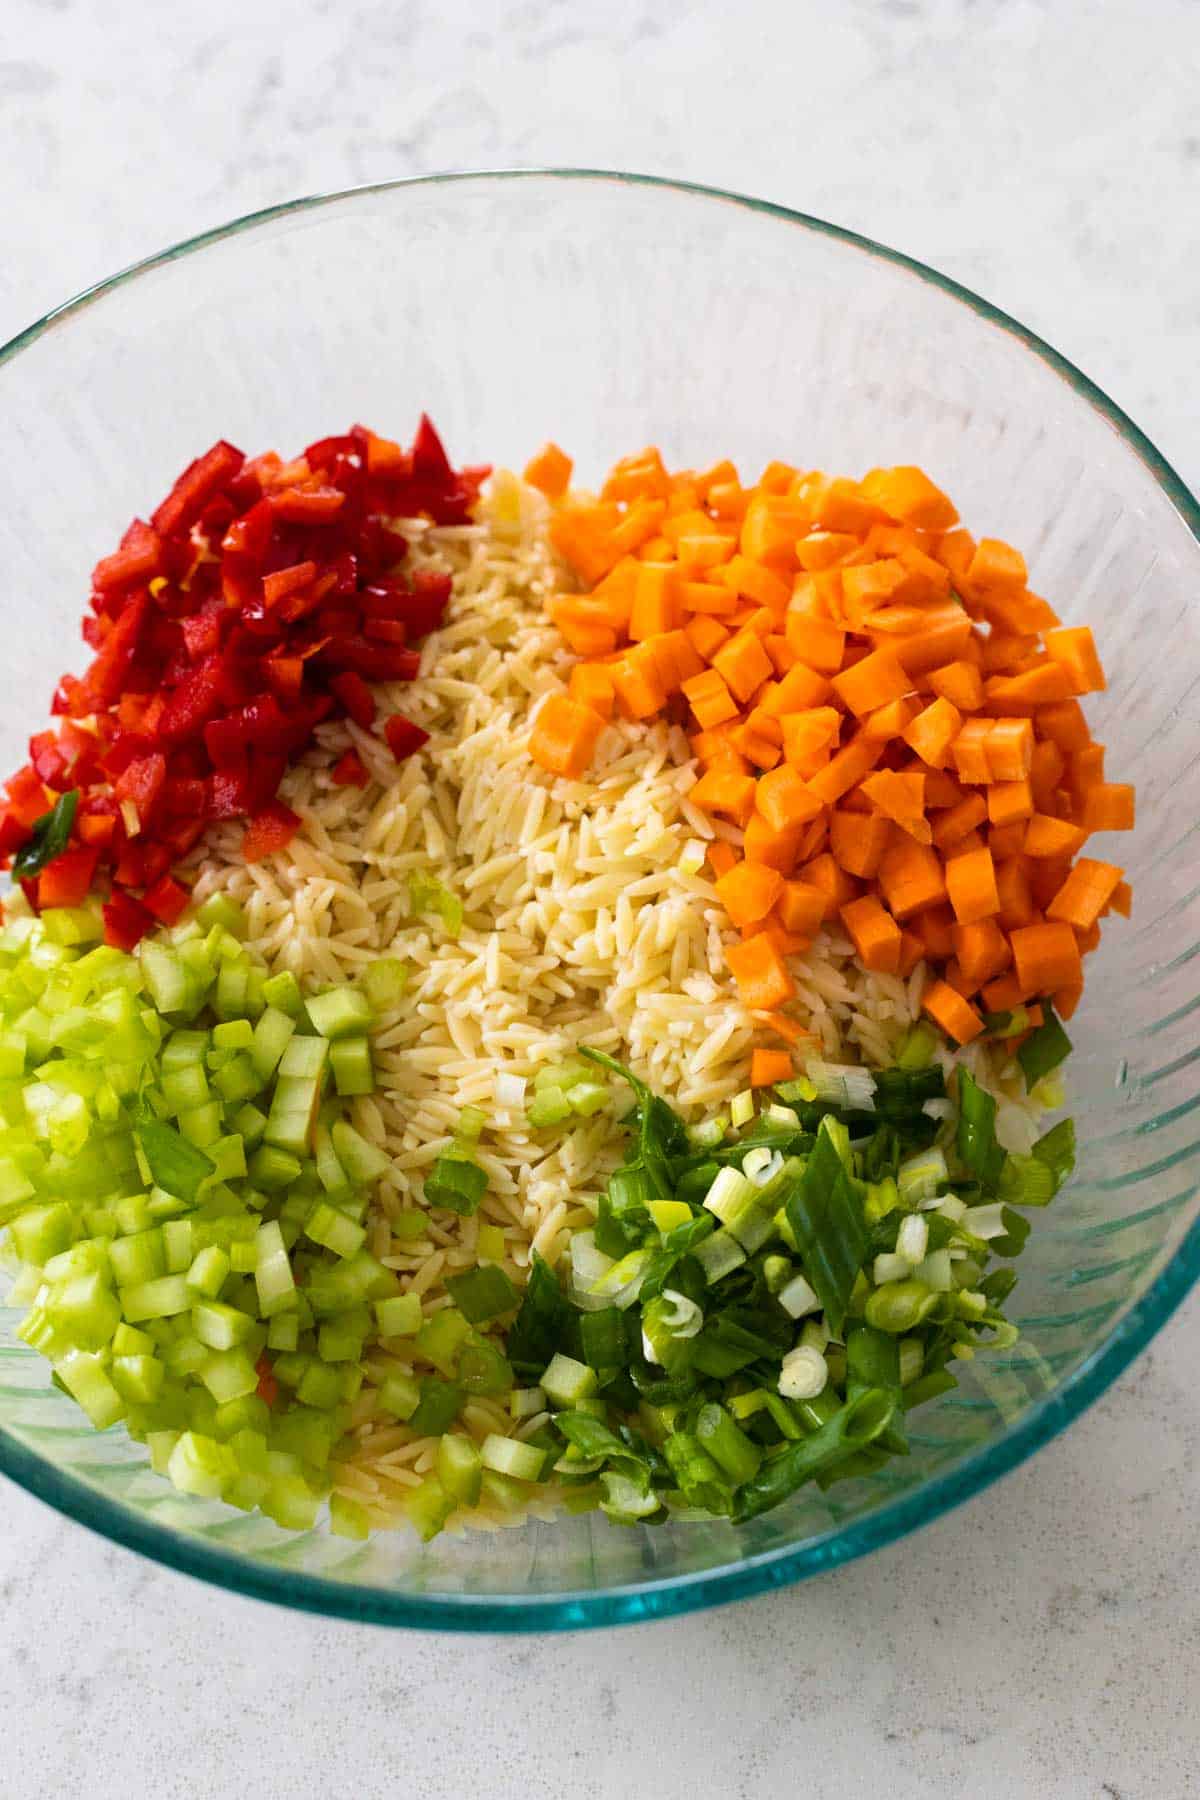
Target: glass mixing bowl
{"x":611,"y":311}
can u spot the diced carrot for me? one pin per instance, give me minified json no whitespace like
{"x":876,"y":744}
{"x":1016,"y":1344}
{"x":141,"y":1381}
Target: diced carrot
{"x":858,"y":841}
{"x":717,"y":746}
{"x":564,"y":735}
{"x":591,"y":685}
{"x":1004,"y":994}
{"x":777,"y":849}
{"x":934,"y":925}
{"x":799,"y":690}
{"x":912,"y":951}
{"x":868,"y":586}
{"x":1046,"y":958}
{"x":1009,"y":801}
{"x":845,"y":769}
{"x":941,"y":791}
{"x":971,"y":886}
{"x":617,"y":590}
{"x":806,"y":733}
{"x":1064,"y":724}
{"x":583,"y":624}
{"x":983,"y":951}
{"x":656,"y":601}
{"x":996,"y":565}
{"x":582,"y":535}
{"x":1075,"y":648}
{"x":1045,"y":836}
{"x":1005,"y":841}
{"x":770,"y":526}
{"x":1016,"y":895}
{"x":705,"y":637}
{"x":874,"y":933}
{"x":838,"y":887}
{"x":1085,"y":769}
{"x":1085,"y":894}
{"x":710,"y":699}
{"x":802,"y":907}
{"x":709,"y":597}
{"x":956,"y":1016}
{"x":841,"y":505}
{"x":725,"y":791}
{"x":637,"y":477}
{"x":767,"y":1067}
{"x":1122,"y":899}
{"x":974,"y":840}
{"x":1088,"y":938}
{"x":743,"y":663}
{"x":780,"y":652}
{"x":721,"y":857}
{"x":728,"y":499}
{"x":892,"y":720}
{"x":1066,"y":999}
{"x":549,"y":470}
{"x":675,"y":659}
{"x":637,"y":683}
{"x":784,"y":798}
{"x":787,"y":1028}
{"x":757,"y":583}
{"x":970,"y":751}
{"x":1026,"y":694}
{"x":907,"y":493}
{"x":960,"y":683}
{"x":638,"y":530}
{"x":943,"y":637}
{"x":707,"y":479}
{"x":1046,"y":876}
{"x":762,"y":977}
{"x":911,"y":877}
{"x":749,"y":891}
{"x":1047,"y":768}
{"x":1009,"y":749}
{"x":900,"y":797}
{"x":957,"y":821}
{"x":933,"y":731}
{"x":824,"y":549}
{"x":954,"y":550}
{"x":818,"y":643}
{"x":1109,"y":806}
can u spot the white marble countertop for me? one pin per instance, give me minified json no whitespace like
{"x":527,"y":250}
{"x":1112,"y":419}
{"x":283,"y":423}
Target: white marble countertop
{"x":1041,"y":1642}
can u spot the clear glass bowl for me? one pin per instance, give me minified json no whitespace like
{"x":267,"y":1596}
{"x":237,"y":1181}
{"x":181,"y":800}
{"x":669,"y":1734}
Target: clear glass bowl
{"x":610,"y":311}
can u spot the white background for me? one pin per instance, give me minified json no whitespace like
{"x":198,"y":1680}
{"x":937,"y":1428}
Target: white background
{"x":1044,"y":1640}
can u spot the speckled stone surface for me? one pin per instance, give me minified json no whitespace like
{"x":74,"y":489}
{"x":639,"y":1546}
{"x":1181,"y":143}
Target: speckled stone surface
{"x":1043,"y":1641}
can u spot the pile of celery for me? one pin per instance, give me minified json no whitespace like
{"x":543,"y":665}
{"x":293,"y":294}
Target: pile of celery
{"x":185,"y":1198}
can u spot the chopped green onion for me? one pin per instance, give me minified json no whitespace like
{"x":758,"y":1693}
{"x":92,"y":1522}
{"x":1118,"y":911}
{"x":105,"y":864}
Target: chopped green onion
{"x":482,"y":1293}
{"x":1044,"y":1049}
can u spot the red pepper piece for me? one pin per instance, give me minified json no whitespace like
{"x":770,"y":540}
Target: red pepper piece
{"x":250,"y":536}
{"x":184,"y":797}
{"x":349,"y":771}
{"x":194,"y":702}
{"x":350,"y":650}
{"x":106,"y":678}
{"x":327,"y":450}
{"x":268,"y":1385}
{"x":427,"y":602}
{"x":270,"y":831}
{"x":202,"y":635}
{"x":12,"y":835}
{"x":136,"y":560}
{"x":126,"y":921}
{"x":49,"y":763}
{"x":386,"y":459}
{"x":356,"y":697}
{"x":285,"y":675}
{"x":429,"y":459}
{"x":29,"y":888}
{"x":142,"y":782}
{"x":66,"y":880}
{"x":308,"y":506}
{"x":96,"y":821}
{"x":286,"y":581}
{"x":130,"y":870}
{"x":27,"y":800}
{"x":196,"y":487}
{"x":229,"y":793}
{"x":267,"y":769}
{"x":180,"y":838}
{"x":403,"y":736}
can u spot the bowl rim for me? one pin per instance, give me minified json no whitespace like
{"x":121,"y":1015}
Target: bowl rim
{"x":571,"y":1610}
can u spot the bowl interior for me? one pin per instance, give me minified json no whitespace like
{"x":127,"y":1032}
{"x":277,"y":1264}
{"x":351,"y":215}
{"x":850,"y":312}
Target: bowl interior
{"x":608,"y":313}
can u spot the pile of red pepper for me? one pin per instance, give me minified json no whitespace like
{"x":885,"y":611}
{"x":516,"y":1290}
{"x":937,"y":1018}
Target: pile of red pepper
{"x":260,"y":599}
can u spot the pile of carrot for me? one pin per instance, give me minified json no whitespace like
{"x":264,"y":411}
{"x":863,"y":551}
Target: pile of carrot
{"x":886,"y":720}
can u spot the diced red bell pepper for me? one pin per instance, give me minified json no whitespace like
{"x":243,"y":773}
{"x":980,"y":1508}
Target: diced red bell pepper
{"x":326,"y":450}
{"x":308,"y":506}
{"x":286,"y":581}
{"x":267,"y":769}
{"x":105,"y":679}
{"x":349,"y":771}
{"x":350,"y":650}
{"x":285,"y":675}
{"x":426,"y":607}
{"x":386,"y":631}
{"x":194,"y":702}
{"x":126,"y":921}
{"x":49,"y":763}
{"x":196,"y":487}
{"x":67,"y":879}
{"x":180,"y":838}
{"x":184,"y":797}
{"x":27,"y":800}
{"x":202,"y":634}
{"x":95,"y":828}
{"x":156,"y":860}
{"x":429,"y":459}
{"x":12,"y":835}
{"x":229,"y":793}
{"x":69,"y":698}
{"x":270,"y":831}
{"x":250,"y":536}
{"x":268,"y":1384}
{"x":356,"y":697}
{"x":403,"y":737}
{"x":142,"y":782}
{"x":136,"y":560}
{"x":131,"y":868}
{"x":29,"y":888}
{"x":385,"y":458}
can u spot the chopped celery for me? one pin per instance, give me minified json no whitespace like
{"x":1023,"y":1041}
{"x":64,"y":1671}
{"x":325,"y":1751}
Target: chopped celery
{"x":340,"y":1012}
{"x":282,"y":992}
